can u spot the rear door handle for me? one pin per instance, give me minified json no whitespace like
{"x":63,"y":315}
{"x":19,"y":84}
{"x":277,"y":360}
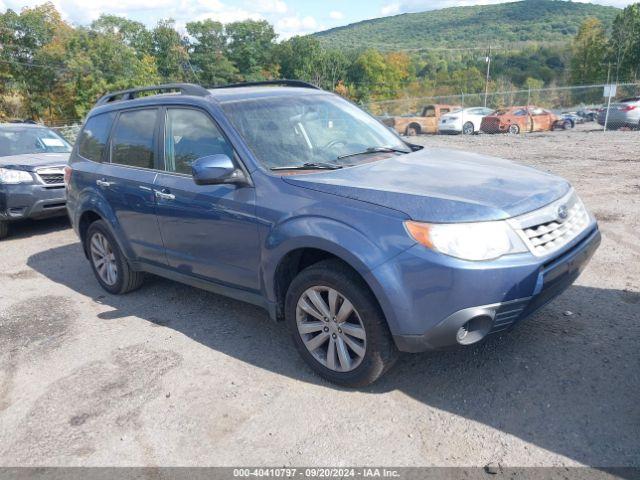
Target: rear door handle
{"x":165,"y":195}
{"x":103,"y":183}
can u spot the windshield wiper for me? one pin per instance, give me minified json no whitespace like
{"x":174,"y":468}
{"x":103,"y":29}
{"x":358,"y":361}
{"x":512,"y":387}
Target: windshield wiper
{"x":310,"y":166}
{"x":373,"y":150}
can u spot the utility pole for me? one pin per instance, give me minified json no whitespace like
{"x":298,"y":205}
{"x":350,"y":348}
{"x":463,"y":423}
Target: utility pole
{"x":486,"y":85}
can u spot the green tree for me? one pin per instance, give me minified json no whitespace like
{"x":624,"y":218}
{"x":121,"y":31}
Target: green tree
{"x":625,"y":43}
{"x":250,"y":48}
{"x":305,"y":58}
{"x":170,"y":52}
{"x":589,"y":53}
{"x":131,"y":33}
{"x":208,"y":53}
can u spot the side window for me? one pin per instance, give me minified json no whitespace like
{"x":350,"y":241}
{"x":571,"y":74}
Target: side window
{"x":189,"y":135}
{"x":132,"y":142}
{"x":429,"y":112}
{"x":94,"y":136}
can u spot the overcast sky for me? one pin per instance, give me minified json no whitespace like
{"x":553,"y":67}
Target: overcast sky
{"x":290,"y":17}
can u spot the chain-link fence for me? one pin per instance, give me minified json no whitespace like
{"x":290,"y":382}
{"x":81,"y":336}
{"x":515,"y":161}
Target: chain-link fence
{"x":517,"y":111}
{"x":69,"y":132}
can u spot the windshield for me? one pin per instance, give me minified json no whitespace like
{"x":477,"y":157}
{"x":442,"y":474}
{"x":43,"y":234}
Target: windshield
{"x":308,"y":129}
{"x":23,"y":140}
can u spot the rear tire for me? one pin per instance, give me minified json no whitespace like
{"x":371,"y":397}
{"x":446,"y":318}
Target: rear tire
{"x":468,"y":129}
{"x":109,"y":265}
{"x":412,"y":131}
{"x":514,"y":129}
{"x":371,"y":356}
{"x":4,"y":229}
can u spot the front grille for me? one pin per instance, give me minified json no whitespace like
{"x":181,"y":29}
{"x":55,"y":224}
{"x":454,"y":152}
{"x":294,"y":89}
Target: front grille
{"x":51,"y":179}
{"x":547,"y":230}
{"x":51,"y":176}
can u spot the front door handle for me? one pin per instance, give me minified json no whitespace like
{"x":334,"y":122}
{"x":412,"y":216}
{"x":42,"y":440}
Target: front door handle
{"x":165,"y":194}
{"x":103,"y":183}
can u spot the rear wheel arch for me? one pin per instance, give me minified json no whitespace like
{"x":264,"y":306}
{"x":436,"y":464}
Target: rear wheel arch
{"x":86,"y":219}
{"x":413,"y":127}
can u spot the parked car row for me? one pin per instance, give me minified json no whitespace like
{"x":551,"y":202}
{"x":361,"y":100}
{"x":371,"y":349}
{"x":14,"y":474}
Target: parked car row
{"x":453,"y":119}
{"x":299,"y":202}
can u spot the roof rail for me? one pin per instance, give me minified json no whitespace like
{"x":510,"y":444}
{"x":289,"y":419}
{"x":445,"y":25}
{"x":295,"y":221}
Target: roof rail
{"x":130,"y":94}
{"x":284,"y":82}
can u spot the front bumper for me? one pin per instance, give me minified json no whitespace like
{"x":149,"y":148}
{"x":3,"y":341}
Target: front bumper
{"x":24,"y":201}
{"x":450,"y":293}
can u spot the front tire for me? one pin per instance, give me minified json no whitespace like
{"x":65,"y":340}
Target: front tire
{"x":338,"y":326}
{"x":109,"y":265}
{"x":4,"y":229}
{"x":514,"y":129}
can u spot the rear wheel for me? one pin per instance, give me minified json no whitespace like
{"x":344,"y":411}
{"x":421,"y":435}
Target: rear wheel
{"x":467,"y":128}
{"x":4,"y":229}
{"x":337,"y":325}
{"x":109,"y":264}
{"x":412,"y":131}
{"x":514,"y":129}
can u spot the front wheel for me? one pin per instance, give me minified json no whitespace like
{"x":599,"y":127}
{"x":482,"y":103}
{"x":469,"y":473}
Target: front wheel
{"x":4,"y":229}
{"x":514,"y":129}
{"x":337,"y":325}
{"x":467,"y":128}
{"x":109,"y":264}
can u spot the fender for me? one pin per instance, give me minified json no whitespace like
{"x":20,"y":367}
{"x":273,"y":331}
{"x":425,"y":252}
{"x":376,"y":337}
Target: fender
{"x":337,"y":238}
{"x":92,"y":199}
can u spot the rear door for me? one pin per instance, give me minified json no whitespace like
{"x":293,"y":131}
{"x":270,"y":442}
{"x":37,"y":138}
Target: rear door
{"x":127,"y":181}
{"x":208,"y":230}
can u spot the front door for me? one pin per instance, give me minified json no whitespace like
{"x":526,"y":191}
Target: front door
{"x":208,"y":230}
{"x":127,"y":181}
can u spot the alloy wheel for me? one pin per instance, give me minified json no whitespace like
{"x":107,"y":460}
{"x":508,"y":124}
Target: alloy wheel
{"x":331,"y":328}
{"x":103,"y":258}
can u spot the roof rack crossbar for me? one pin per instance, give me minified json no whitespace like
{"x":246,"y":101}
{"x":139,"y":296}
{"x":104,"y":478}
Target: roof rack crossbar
{"x":130,"y":94}
{"x":283,"y":82}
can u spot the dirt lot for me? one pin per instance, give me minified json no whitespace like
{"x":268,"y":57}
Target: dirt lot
{"x":170,"y":375}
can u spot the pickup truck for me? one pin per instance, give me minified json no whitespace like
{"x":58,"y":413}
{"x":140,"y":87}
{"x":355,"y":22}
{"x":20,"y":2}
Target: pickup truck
{"x":426,"y":122}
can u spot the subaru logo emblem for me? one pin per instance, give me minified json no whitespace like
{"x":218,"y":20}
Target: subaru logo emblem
{"x":562,"y":212}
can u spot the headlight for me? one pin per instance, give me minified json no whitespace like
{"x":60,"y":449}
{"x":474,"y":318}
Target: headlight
{"x":468,"y":241}
{"x":10,"y":176}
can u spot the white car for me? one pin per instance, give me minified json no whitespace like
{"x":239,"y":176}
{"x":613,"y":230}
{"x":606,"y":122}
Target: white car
{"x":466,"y":121}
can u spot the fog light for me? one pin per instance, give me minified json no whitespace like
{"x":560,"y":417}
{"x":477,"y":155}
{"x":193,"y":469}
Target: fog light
{"x":474,"y":330}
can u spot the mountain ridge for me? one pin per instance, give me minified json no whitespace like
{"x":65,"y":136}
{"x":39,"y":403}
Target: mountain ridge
{"x":520,"y":22}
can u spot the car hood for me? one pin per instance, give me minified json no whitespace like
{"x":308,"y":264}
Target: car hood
{"x":31,"y":161}
{"x":439,"y":185}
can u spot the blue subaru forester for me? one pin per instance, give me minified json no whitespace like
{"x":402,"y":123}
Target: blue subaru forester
{"x":291,"y":198}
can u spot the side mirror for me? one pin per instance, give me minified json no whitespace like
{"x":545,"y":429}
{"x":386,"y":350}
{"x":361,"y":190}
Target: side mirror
{"x":215,"y":170}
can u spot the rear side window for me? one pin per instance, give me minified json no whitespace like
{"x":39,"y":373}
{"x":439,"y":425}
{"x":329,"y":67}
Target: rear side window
{"x":133,"y":140}
{"x":93,"y":139}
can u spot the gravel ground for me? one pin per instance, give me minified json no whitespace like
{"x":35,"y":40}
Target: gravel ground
{"x":170,"y":375}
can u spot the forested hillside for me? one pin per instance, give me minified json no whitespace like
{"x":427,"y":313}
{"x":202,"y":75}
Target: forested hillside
{"x":539,"y":21}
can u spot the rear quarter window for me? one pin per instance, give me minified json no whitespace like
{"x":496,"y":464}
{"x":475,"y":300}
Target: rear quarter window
{"x":94,"y":136}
